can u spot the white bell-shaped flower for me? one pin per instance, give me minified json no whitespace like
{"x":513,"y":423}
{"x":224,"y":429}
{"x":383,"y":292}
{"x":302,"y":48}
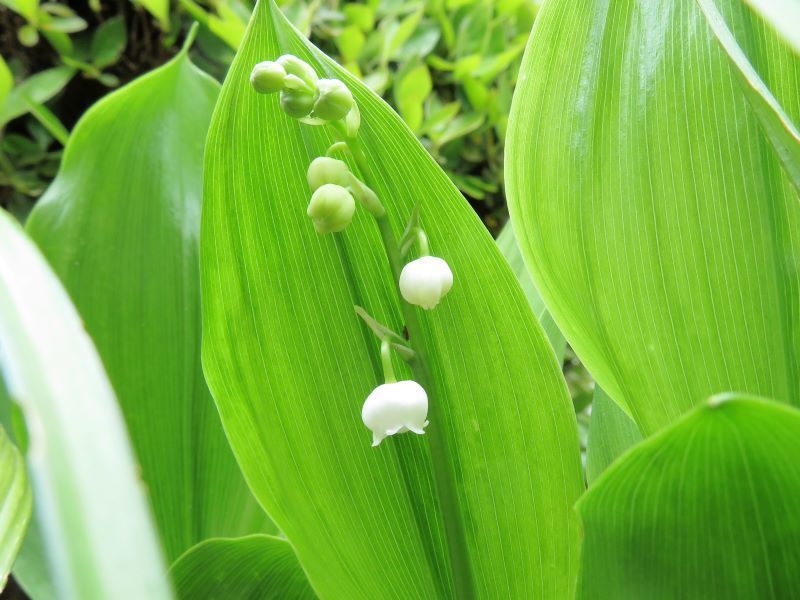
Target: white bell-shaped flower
{"x":425,"y":281}
{"x":394,"y":408}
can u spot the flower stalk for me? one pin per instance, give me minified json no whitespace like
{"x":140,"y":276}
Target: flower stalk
{"x":394,"y":406}
{"x":444,"y":481}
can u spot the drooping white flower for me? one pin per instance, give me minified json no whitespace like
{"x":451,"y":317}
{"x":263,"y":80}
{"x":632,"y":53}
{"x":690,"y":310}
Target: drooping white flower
{"x":425,"y":281}
{"x":394,"y":408}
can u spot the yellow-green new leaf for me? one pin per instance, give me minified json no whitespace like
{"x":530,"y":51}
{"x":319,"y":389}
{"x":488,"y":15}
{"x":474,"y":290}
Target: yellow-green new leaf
{"x":120,"y":226}
{"x":704,"y":509}
{"x":256,"y":566}
{"x":290,"y":364}
{"x":94,"y":517}
{"x":657,"y":220}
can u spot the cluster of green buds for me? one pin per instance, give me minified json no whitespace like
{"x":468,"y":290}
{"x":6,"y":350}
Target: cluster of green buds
{"x":394,"y":406}
{"x":302,"y":93}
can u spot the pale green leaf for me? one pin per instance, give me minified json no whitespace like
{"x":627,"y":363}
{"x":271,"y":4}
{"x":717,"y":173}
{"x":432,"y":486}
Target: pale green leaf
{"x":783,"y":15}
{"x":290,"y":363}
{"x":611,"y":433}
{"x":120,"y":225}
{"x":256,"y":566}
{"x":652,"y":210}
{"x":89,"y":500}
{"x":15,"y":504}
{"x":704,"y":509}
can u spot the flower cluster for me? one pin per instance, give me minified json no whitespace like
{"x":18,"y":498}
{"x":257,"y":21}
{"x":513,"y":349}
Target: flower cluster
{"x":395,"y":406}
{"x":302,"y":93}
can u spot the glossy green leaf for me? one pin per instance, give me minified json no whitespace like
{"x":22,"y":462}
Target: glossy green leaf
{"x":15,"y":504}
{"x":783,"y":15}
{"x":256,"y":566}
{"x":703,"y":509}
{"x":120,"y":226}
{"x":90,"y":502}
{"x":290,"y":363}
{"x":507,"y":243}
{"x":39,"y":87}
{"x":776,"y":123}
{"x":611,"y":433}
{"x":653,"y":212}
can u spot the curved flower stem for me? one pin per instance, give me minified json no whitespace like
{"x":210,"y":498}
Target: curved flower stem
{"x":422,"y":240}
{"x":386,"y":361}
{"x":445,"y":483}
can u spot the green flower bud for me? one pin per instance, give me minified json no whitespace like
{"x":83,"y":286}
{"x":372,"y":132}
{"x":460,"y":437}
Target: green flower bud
{"x":267,"y":77}
{"x":334,"y":101}
{"x":331,"y":208}
{"x":297,"y":103}
{"x":299,"y":68}
{"x":324,"y":170}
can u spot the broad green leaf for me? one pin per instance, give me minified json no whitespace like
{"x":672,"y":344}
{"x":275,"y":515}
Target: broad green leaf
{"x":290,"y":363}
{"x":703,"y":509}
{"x":611,"y":433}
{"x":39,"y":87}
{"x":507,"y":243}
{"x":15,"y":504}
{"x":256,"y":566}
{"x":653,"y":212}
{"x":776,"y":123}
{"x":120,"y":226}
{"x":89,"y":499}
{"x":783,"y":16}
